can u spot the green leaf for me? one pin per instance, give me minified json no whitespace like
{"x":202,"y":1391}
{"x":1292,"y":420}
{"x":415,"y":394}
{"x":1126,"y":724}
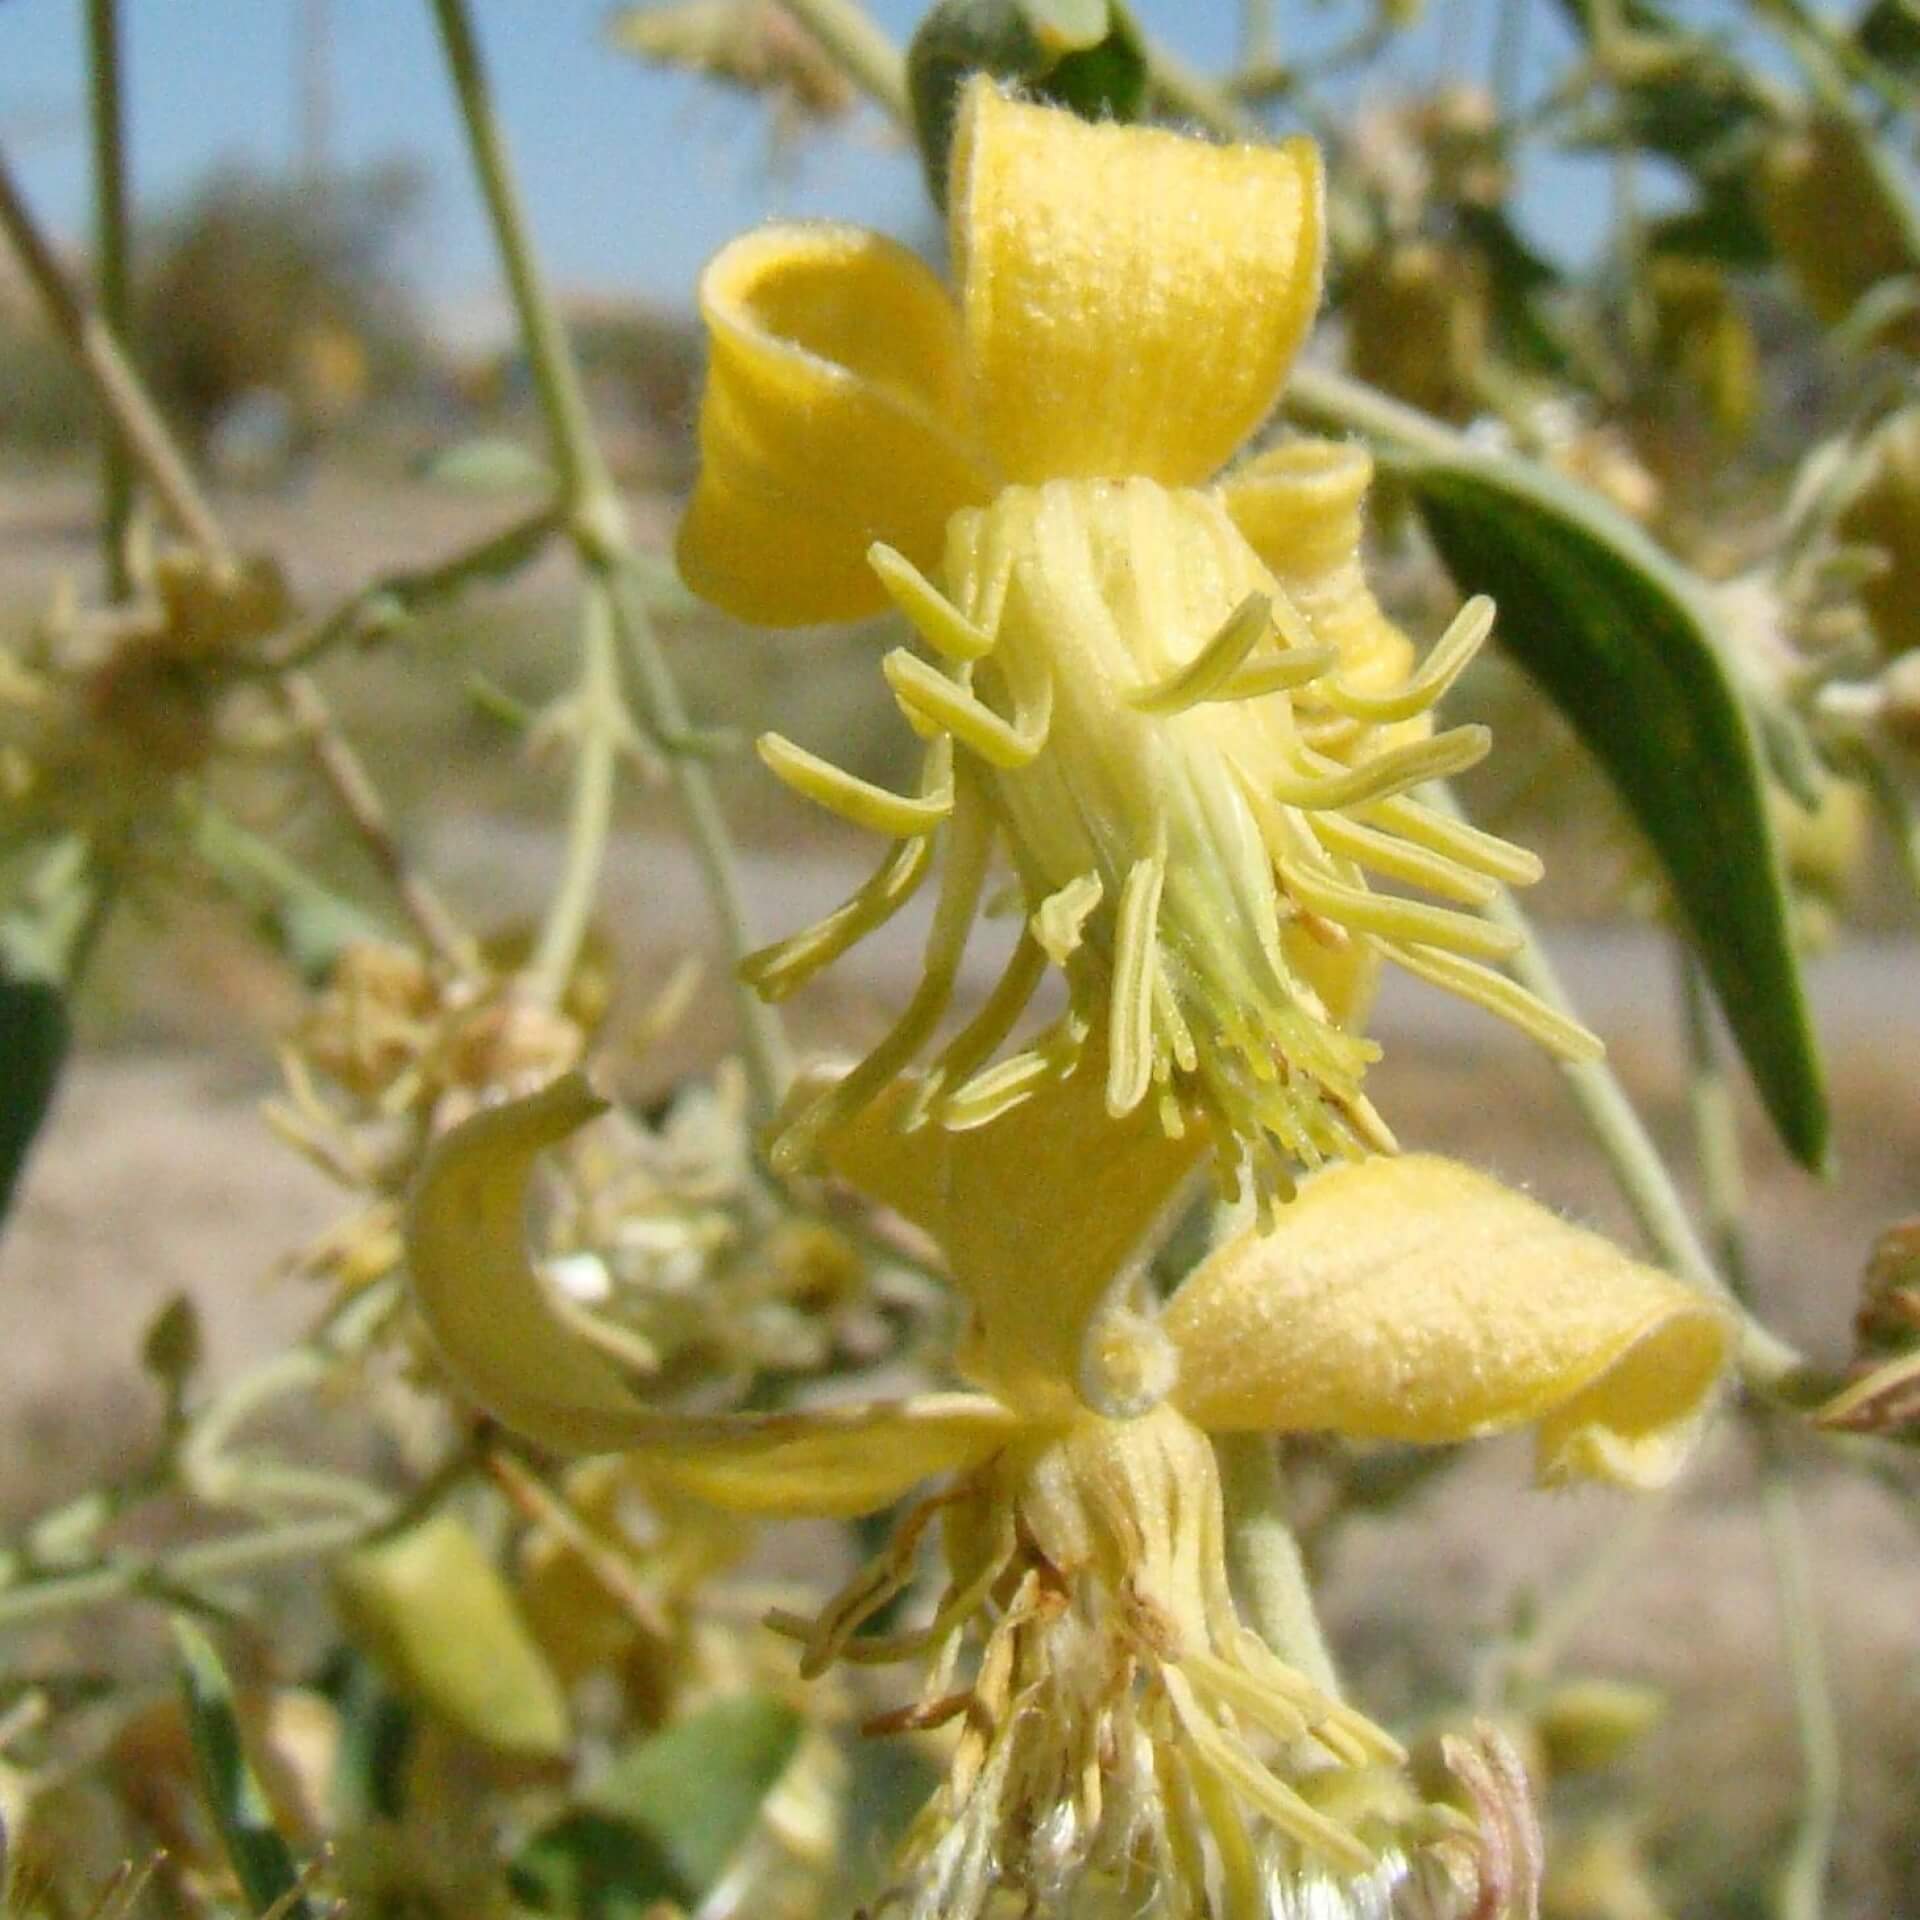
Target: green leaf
{"x":433,"y":1611}
{"x":261,"y":1859}
{"x":698,"y":1787}
{"x":34,"y":1036}
{"x":490,"y":465}
{"x":667,"y":1819}
{"x":1615,"y":634}
{"x":1085,"y":55}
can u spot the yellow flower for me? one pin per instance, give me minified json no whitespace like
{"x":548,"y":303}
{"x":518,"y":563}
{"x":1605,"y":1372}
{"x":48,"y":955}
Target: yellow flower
{"x":1176,"y":703}
{"x":1121,"y":1727}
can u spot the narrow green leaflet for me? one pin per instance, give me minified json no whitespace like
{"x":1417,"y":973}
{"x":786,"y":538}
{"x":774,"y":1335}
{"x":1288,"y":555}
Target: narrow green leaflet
{"x":1614,"y":633}
{"x":261,"y":1859}
{"x":664,"y":1822}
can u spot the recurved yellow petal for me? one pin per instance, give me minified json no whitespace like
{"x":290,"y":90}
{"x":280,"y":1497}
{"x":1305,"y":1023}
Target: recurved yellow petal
{"x":1414,"y":1299}
{"x":517,"y":1352}
{"x":832,"y":418}
{"x":1036,"y":1210}
{"x":1132,"y":298}
{"x":1299,"y":506}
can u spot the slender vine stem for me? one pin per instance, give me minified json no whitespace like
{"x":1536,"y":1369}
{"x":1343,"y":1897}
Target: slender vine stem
{"x":1263,"y":1557}
{"x":181,"y":1570}
{"x":763,"y":1038}
{"x":1801,"y":1892}
{"x":107,"y":121}
{"x":116,"y":386}
{"x":1804,"y":1874}
{"x":598,"y":718}
{"x":597,"y":524}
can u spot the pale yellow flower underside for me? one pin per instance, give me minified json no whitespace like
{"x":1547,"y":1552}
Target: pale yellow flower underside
{"x":1415,"y":1299}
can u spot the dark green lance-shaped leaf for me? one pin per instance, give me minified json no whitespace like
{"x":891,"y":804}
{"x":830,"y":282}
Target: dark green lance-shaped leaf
{"x":34,"y":1035}
{"x":667,"y":1818}
{"x":1086,"y":55}
{"x":260,"y":1858}
{"x":1615,"y":634}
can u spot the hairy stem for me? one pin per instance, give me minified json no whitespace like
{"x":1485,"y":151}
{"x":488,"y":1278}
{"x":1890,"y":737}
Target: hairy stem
{"x":1268,"y":1576}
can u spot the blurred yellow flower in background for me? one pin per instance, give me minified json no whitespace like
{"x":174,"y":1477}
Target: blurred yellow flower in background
{"x":1176,"y":703}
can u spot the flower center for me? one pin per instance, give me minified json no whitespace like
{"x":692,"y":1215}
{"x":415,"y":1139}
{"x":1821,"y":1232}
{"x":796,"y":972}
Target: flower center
{"x":1195,"y":801}
{"x":1122,"y":1735}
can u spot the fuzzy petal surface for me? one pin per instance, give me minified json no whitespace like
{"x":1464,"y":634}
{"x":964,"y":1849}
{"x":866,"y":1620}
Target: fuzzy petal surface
{"x":518,"y":1353}
{"x":1414,"y":1299}
{"x":1132,"y":299}
{"x":832,"y":417}
{"x":1036,"y":1210}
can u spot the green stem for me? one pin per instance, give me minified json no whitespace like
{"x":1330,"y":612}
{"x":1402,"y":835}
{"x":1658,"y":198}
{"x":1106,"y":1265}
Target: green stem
{"x":1525,"y":1667}
{"x":1509,"y":54}
{"x":183,"y":1569}
{"x":1716,"y":1128}
{"x":584,"y":481}
{"x":108,"y":121}
{"x":847,"y":35}
{"x":1194,"y":96}
{"x":1319,"y":397}
{"x":370,"y":613}
{"x":764,"y":1048}
{"x":1896,"y":810}
{"x":598,"y":527}
{"x":1268,"y":1576}
{"x":115,"y":384}
{"x":599,"y":716}
{"x":1257,"y":45}
{"x":1803,"y":1877}
{"x":346,"y":776}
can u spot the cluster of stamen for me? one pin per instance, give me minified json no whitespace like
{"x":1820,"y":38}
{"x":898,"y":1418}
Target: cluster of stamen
{"x":1123,"y":1743}
{"x":1196,"y":798}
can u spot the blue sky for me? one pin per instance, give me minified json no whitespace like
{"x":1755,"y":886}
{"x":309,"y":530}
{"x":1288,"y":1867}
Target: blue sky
{"x":633,"y":176}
